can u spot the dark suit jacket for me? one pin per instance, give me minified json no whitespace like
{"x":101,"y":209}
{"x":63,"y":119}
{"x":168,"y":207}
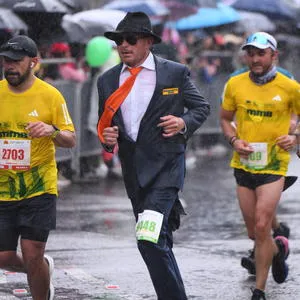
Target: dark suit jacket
{"x":153,"y":159}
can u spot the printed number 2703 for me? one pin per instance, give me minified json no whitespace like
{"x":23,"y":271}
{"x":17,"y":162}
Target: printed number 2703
{"x":13,"y":154}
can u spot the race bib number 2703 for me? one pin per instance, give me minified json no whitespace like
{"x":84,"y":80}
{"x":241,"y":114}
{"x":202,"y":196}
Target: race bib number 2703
{"x":15,"y":154}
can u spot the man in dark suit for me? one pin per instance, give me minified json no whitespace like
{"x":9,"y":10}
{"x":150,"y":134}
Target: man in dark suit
{"x":151,"y":126}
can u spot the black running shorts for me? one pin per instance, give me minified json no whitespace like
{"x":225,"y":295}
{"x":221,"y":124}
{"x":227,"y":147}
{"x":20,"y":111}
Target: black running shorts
{"x":30,"y":218}
{"x":251,"y":180}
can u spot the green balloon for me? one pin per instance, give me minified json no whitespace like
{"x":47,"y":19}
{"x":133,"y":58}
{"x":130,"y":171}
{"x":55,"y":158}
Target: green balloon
{"x":98,"y":51}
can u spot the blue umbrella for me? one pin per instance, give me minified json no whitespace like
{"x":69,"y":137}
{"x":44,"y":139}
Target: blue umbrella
{"x":209,"y":17}
{"x":150,"y":7}
{"x":275,"y":9}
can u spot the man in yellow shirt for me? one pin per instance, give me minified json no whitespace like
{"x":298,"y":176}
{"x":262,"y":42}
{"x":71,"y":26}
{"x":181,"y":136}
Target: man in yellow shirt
{"x":33,"y":120}
{"x":261,"y":101}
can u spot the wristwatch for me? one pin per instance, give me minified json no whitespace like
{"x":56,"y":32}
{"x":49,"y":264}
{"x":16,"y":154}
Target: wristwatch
{"x":55,"y":133}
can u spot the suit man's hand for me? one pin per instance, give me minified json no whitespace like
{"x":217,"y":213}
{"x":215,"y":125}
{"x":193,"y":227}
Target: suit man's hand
{"x":110,"y":135}
{"x":171,"y":125}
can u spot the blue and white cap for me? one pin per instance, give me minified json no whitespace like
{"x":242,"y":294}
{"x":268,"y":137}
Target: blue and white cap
{"x":261,"y":40}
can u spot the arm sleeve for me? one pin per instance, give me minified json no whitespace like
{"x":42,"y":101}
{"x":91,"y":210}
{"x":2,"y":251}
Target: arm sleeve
{"x":296,"y":101}
{"x":61,"y":115}
{"x":227,"y":99}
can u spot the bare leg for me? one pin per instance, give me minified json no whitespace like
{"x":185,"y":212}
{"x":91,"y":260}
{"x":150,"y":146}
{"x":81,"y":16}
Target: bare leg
{"x":275,"y":223}
{"x":247,"y":202}
{"x":268,"y":196}
{"x":11,"y":261}
{"x":258,"y":209}
{"x":37,"y":268}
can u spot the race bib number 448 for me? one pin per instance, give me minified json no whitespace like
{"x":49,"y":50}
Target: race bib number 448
{"x":15,"y":154}
{"x":149,"y":225}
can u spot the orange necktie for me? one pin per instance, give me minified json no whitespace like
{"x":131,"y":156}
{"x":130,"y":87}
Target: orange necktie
{"x":115,"y":100}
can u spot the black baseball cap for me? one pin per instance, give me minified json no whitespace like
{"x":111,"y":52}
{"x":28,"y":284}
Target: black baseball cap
{"x":18,"y":47}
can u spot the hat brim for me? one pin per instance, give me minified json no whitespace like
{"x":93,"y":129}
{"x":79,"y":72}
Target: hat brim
{"x":257,"y":45}
{"x":113,"y":35}
{"x":13,"y":54}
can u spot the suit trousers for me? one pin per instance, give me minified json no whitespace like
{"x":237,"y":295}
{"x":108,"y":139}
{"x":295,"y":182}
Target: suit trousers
{"x":159,"y":258}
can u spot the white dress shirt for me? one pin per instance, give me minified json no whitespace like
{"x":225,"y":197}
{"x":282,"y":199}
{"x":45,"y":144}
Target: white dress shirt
{"x":135,"y":105}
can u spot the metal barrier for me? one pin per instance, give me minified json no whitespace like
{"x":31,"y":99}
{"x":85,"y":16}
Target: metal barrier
{"x":77,"y":96}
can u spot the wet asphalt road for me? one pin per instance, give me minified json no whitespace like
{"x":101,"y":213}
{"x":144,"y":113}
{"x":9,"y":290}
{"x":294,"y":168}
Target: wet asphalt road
{"x":96,"y":256}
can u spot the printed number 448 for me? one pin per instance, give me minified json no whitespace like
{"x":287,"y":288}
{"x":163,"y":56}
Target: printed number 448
{"x":146,"y":225}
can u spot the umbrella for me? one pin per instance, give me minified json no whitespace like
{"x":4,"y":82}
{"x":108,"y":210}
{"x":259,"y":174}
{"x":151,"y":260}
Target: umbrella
{"x":9,"y":20}
{"x":275,"y":9}
{"x":179,"y":9}
{"x":208,"y":17}
{"x":82,"y":26}
{"x":73,"y":5}
{"x":201,"y":3}
{"x":207,"y":3}
{"x":24,"y":6}
{"x":43,"y":17}
{"x":150,"y":7}
{"x":288,"y":39}
{"x":253,"y":22}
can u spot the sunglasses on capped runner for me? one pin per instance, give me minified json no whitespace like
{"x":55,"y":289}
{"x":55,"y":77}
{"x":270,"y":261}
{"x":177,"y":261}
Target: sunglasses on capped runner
{"x":131,"y":39}
{"x":260,"y":39}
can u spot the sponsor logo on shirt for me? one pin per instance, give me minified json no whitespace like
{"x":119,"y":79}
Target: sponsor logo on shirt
{"x":277,"y":98}
{"x":260,"y":113}
{"x":13,"y":134}
{"x":34,"y":113}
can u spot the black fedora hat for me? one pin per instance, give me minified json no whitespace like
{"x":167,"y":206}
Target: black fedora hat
{"x":134,"y":22}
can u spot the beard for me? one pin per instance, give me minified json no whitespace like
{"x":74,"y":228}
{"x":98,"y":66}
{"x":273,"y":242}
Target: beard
{"x":260,"y":70}
{"x":15,"y":78}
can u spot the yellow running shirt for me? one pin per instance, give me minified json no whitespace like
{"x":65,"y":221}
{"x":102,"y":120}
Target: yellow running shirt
{"x":263,"y":114}
{"x":27,"y":165}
